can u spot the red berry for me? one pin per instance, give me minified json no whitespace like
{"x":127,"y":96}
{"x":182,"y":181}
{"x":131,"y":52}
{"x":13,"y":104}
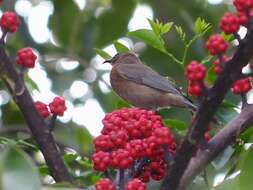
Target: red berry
{"x":26,"y":57}
{"x":119,"y":138}
{"x":207,"y":137}
{"x":103,"y":142}
{"x":216,"y":44}
{"x":135,"y":184}
{"x":195,"y":88}
{"x":101,"y":160}
{"x":57,"y":106}
{"x":157,"y":170}
{"x":42,"y":109}
{"x":243,"y":5}
{"x":135,"y":148}
{"x":195,"y":71}
{"x":9,"y":22}
{"x":243,"y":19}
{"x":105,"y":184}
{"x":217,"y":64}
{"x":241,"y":86}
{"x":163,"y":136}
{"x":121,"y":159}
{"x":229,"y":23}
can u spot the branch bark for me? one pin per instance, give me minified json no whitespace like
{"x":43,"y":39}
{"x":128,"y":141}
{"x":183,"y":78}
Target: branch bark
{"x":207,"y":109}
{"x":34,"y":121}
{"x":217,"y":144}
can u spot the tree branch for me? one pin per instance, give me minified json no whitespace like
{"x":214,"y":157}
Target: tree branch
{"x":34,"y":121}
{"x":217,"y":144}
{"x":208,"y":106}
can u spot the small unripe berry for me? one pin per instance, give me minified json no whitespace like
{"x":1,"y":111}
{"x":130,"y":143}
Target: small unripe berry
{"x":26,"y":57}
{"x":229,"y":23}
{"x":105,"y":184}
{"x":42,"y":109}
{"x":57,"y":106}
{"x":9,"y":22}
{"x":216,"y":44}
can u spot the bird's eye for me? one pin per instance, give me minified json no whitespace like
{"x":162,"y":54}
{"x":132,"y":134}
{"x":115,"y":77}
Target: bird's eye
{"x":115,"y":57}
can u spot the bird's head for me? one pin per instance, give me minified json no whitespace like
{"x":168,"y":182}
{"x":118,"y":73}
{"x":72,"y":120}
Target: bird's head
{"x":123,"y":58}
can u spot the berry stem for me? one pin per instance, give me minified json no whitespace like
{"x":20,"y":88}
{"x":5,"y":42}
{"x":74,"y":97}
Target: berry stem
{"x":22,"y":73}
{"x":108,"y":175}
{"x":222,"y":63}
{"x":51,"y":125}
{"x":244,"y":100}
{"x":121,"y":179}
{"x":3,"y":37}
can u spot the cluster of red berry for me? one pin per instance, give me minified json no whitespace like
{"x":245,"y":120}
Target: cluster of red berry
{"x":217,"y":46}
{"x":244,"y":10}
{"x":56,"y":107}
{"x":195,"y":73}
{"x":26,"y":57}
{"x":9,"y":22}
{"x":107,"y":184}
{"x":133,"y":137}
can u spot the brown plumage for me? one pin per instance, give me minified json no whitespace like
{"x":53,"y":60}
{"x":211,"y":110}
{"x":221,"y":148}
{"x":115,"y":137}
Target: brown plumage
{"x":142,"y":87}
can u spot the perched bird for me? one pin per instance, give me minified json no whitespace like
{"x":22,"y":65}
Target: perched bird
{"x":142,"y":87}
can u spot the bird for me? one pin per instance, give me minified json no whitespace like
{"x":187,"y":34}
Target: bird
{"x":142,"y":87}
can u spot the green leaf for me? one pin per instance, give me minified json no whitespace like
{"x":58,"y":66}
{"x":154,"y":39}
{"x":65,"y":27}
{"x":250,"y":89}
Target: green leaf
{"x":211,"y":76}
{"x":68,"y":158}
{"x":31,"y":83}
{"x":120,"y":47}
{"x":201,"y":26}
{"x":66,"y":24}
{"x":231,"y":184}
{"x":103,"y":54}
{"x":246,"y":166}
{"x":18,"y":171}
{"x":122,"y":104}
{"x":44,"y":171}
{"x":176,"y":124}
{"x":155,"y":27}
{"x":166,"y":27}
{"x":113,"y":22}
{"x":228,"y":37}
{"x":180,"y":32}
{"x":149,"y":37}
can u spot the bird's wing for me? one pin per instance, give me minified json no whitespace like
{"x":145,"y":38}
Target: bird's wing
{"x":143,"y":74}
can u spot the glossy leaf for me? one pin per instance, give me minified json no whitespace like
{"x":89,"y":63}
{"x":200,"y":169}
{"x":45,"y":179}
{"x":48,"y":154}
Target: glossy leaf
{"x":149,"y":37}
{"x":176,"y":124}
{"x":18,"y":171}
{"x":120,"y":47}
{"x":103,"y":54}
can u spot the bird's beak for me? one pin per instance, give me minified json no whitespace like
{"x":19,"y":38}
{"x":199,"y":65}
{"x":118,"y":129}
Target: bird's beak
{"x":107,"y":61}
